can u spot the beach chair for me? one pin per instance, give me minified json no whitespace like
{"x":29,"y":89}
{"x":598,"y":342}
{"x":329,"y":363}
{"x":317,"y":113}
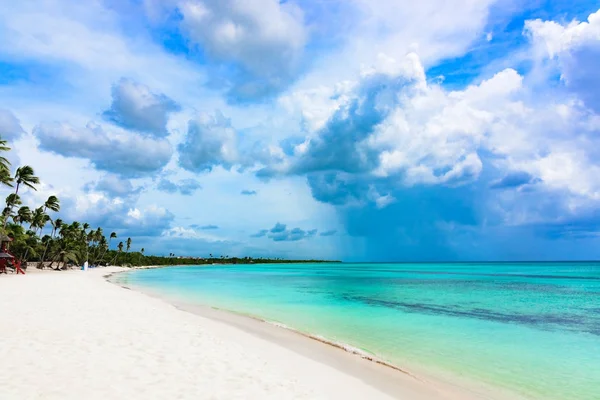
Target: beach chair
{"x":8,"y":260}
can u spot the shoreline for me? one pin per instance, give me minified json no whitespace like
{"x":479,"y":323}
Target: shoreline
{"x":73,"y":335}
{"x":371,"y":369}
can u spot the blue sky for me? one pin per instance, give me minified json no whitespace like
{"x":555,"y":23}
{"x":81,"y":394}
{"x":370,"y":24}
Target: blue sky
{"x":356,"y":130}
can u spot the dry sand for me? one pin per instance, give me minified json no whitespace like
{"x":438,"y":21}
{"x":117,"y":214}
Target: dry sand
{"x":73,"y":335}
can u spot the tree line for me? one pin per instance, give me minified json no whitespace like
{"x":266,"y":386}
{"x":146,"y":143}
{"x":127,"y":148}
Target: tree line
{"x":65,"y":243}
{"x":73,"y":243}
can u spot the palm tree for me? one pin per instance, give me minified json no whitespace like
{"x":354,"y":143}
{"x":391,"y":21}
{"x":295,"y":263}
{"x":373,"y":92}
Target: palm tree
{"x":24,"y":176}
{"x":31,"y":241}
{"x":142,"y":251}
{"x":56,"y":225}
{"x":22,"y":216}
{"x":52,"y":204}
{"x":128,"y":244}
{"x":65,"y":255}
{"x":113,"y":235}
{"x":120,"y":247}
{"x":44,"y":220}
{"x":38,"y":218}
{"x":102,"y":247}
{"x":11,"y":201}
{"x":5,"y":177}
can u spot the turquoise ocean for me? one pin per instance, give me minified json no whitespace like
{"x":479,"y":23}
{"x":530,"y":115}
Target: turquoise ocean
{"x":528,"y":328}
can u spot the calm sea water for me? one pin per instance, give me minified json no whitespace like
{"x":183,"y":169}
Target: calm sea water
{"x":531,"y":328}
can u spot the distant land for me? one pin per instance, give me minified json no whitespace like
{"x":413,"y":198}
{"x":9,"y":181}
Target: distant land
{"x":181,"y":260}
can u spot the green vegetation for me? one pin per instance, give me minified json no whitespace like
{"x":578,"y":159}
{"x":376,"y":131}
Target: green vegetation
{"x":172,"y":260}
{"x":74,"y":243}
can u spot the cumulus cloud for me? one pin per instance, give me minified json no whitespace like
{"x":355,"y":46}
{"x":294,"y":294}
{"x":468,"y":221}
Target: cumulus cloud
{"x":576,"y":47}
{"x":135,"y":106}
{"x":125,"y":154}
{"x":113,"y":186}
{"x":248,"y":192}
{"x":280,"y":233}
{"x":397,"y":144}
{"x":514,"y":180}
{"x":261,"y":233}
{"x":328,"y":233}
{"x":10,"y":126}
{"x":263,"y":39}
{"x":210,"y":141}
{"x":116,"y":214}
{"x":396,"y":126}
{"x":209,"y":227}
{"x":186,"y":187}
{"x":292,"y":235}
{"x":395,"y":130}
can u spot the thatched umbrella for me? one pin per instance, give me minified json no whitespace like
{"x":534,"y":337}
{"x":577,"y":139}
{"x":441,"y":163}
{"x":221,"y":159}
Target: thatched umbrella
{"x":4,"y":238}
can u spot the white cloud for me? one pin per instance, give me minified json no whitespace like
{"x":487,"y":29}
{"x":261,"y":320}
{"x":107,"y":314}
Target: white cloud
{"x":265,"y":37}
{"x":10,"y":126}
{"x":557,"y":38}
{"x":189,"y":233}
{"x":118,"y":152}
{"x":186,"y":187}
{"x":576,"y":48}
{"x":136,"y":107}
{"x":396,"y":128}
{"x":115,"y":214}
{"x":113,"y":186}
{"x":210,"y":141}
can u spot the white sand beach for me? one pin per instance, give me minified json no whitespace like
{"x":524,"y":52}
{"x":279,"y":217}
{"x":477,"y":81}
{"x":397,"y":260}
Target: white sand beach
{"x":73,"y":335}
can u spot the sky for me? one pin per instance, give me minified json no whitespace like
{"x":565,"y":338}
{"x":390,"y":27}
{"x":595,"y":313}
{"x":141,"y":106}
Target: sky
{"x":355,"y":130}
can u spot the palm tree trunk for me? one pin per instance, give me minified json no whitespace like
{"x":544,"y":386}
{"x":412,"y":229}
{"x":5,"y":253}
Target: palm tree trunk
{"x":44,"y":255}
{"x":46,"y":248}
{"x":11,"y":208}
{"x":105,"y":250}
{"x":115,"y":259}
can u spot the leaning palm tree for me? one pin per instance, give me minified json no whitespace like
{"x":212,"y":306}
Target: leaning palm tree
{"x":22,"y":216}
{"x":120,"y":247}
{"x":52,"y":204}
{"x":5,"y":177}
{"x":13,"y":200}
{"x":56,"y":225}
{"x":32,"y":242}
{"x":112,"y":236}
{"x":24,"y":176}
{"x":44,"y":220}
{"x":65,"y":256}
{"x":97,"y":236}
{"x":102,"y":246}
{"x":127,"y":250}
{"x":38,"y":219}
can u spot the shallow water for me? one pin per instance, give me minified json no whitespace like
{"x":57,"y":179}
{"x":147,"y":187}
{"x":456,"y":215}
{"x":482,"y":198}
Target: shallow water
{"x":531,"y":328}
